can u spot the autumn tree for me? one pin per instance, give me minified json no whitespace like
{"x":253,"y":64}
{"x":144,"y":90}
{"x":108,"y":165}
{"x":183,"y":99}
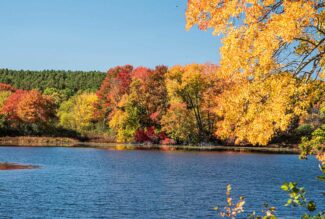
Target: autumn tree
{"x":9,"y":109}
{"x":28,"y":111}
{"x":77,"y":113}
{"x":5,"y":91}
{"x":34,"y":107}
{"x":265,"y":37}
{"x":125,"y":119}
{"x":57,"y":95}
{"x":6,"y":87}
{"x":148,"y":88}
{"x":261,"y":39}
{"x":149,"y":92}
{"x":138,"y":114}
{"x":254,"y":111}
{"x":179,"y":123}
{"x":3,"y":97}
{"x":195,"y":86}
{"x":114,"y":86}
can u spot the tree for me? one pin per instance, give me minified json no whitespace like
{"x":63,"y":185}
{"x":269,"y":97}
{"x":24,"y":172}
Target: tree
{"x":261,"y":39}
{"x":316,"y":143}
{"x":66,"y":115}
{"x":77,"y":113}
{"x":3,"y":97}
{"x":138,"y":112}
{"x":40,"y":80}
{"x":9,"y":109}
{"x":28,"y":112}
{"x":255,"y":111}
{"x":149,"y":89}
{"x":35,"y":108}
{"x":114,"y":86}
{"x":179,"y":123}
{"x":6,"y":87}
{"x":125,"y":119}
{"x":265,"y":37}
{"x":195,"y":85}
{"x":58,"y":95}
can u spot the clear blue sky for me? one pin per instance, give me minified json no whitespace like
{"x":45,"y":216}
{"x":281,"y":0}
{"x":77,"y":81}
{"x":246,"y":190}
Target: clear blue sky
{"x":99,"y":34}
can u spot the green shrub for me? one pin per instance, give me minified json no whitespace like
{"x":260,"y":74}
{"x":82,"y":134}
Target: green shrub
{"x":304,"y":130}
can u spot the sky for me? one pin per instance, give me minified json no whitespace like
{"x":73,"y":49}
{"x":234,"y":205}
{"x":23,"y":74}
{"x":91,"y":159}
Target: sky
{"x":99,"y":34}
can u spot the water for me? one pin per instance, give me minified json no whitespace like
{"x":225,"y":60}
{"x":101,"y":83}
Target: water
{"x":93,"y":183}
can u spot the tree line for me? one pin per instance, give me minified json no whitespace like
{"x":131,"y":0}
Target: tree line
{"x":195,"y":103}
{"x":40,"y":80}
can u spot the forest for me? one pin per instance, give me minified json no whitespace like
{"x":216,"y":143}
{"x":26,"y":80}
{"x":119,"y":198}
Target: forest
{"x":72,"y":81}
{"x":191,"y":104}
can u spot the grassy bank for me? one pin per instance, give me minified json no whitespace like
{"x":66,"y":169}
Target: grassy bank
{"x":69,"y":142}
{"x":38,"y":141}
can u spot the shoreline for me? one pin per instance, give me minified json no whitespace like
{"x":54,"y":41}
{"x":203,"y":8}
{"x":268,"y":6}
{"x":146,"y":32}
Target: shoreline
{"x":74,"y":143}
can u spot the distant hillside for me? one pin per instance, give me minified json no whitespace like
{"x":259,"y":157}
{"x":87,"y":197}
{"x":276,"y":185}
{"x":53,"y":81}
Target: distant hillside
{"x":74,"y":80}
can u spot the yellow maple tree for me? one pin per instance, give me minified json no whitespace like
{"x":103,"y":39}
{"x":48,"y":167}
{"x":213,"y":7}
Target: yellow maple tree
{"x":264,"y":37}
{"x":255,"y":111}
{"x":270,"y":51}
{"x":77,"y":113}
{"x":195,"y":85}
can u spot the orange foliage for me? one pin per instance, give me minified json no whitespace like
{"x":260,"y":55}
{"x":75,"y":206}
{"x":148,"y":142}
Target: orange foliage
{"x":28,"y":107}
{"x":6,"y":87}
{"x":35,"y":108}
{"x":9,"y":108}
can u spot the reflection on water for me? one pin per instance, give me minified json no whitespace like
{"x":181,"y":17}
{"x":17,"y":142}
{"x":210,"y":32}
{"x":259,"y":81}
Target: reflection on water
{"x":121,"y":147}
{"x":93,"y":183}
{"x":16,"y":166}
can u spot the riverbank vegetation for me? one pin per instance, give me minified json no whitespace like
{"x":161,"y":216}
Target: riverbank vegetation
{"x":196,"y":103}
{"x":269,"y":87}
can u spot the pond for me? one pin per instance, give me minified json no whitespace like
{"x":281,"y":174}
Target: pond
{"x":95,"y":183}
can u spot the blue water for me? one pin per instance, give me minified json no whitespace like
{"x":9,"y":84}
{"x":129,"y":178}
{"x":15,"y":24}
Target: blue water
{"x":94,"y":183}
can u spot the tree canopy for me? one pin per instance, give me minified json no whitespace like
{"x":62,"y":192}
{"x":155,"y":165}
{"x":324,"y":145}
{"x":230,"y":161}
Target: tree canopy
{"x":265,"y":37}
{"x":40,"y":80}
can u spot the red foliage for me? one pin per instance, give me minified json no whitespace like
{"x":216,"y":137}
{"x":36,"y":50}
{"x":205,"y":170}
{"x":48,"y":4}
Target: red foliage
{"x":6,"y":87}
{"x":9,"y":108}
{"x":123,"y":81}
{"x":141,"y":136}
{"x":141,"y":73}
{"x":149,"y":134}
{"x":157,"y":98}
{"x":114,"y":86}
{"x":162,"y":135}
{"x":151,"y":91}
{"x":154,"y":117}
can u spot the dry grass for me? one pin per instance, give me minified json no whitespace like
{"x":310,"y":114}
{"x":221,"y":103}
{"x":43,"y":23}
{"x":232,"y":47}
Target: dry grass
{"x":38,"y":141}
